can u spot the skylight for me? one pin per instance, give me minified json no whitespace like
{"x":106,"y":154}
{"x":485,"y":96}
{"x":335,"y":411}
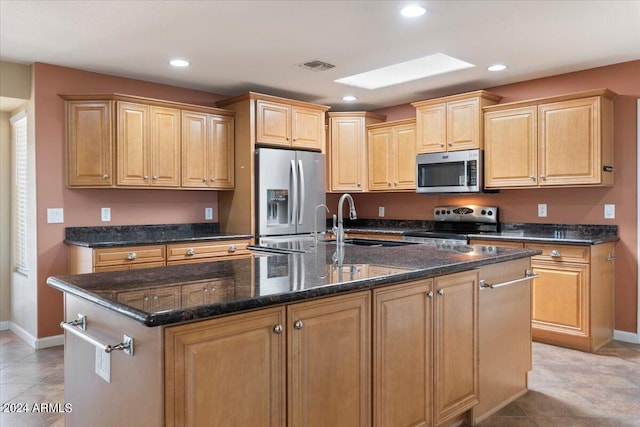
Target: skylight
{"x":414,"y":69}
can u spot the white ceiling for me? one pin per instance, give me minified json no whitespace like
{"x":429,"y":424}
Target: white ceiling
{"x":236,"y":46}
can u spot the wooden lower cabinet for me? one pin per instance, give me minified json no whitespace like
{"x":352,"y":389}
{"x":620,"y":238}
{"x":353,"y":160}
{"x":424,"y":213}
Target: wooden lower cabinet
{"x":426,"y":351}
{"x":227,"y":372}
{"x":328,"y":359}
{"x":152,"y":300}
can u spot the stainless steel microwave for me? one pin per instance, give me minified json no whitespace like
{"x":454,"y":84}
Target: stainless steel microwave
{"x":450,"y":172}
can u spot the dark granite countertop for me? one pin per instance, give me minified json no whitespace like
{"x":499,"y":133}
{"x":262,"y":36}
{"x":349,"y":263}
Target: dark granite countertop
{"x":132,"y":235}
{"x":265,"y":280}
{"x":577,"y":234}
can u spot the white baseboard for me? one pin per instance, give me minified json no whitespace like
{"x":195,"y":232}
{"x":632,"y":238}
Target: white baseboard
{"x":625,"y":336}
{"x":34,"y":342}
{"x":4,"y":325}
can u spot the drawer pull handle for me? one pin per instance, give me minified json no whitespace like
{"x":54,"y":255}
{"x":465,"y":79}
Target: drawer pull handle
{"x":190,"y":252}
{"x":232,"y":248}
{"x":555,"y":253}
{"x":612,"y":257}
{"x":132,"y":255}
{"x":528,"y":275}
{"x":79,"y":326}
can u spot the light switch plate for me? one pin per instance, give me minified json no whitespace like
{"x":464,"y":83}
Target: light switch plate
{"x":105,"y":214}
{"x":381,"y":211}
{"x":55,"y":215}
{"x":208,"y":213}
{"x":542,"y":209}
{"x":609,"y":211}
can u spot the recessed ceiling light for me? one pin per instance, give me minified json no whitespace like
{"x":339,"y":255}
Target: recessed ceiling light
{"x":497,"y":67}
{"x":414,"y":69}
{"x":413,"y":11}
{"x":349,"y":98}
{"x":179,"y":63}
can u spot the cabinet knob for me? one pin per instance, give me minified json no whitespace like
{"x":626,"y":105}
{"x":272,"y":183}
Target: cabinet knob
{"x":395,"y":183}
{"x":232,"y":248}
{"x":442,"y":144}
{"x":450,"y":144}
{"x":146,"y":177}
{"x":430,"y":294}
{"x":358,"y":184}
{"x":440,"y":291}
{"x":555,"y":253}
{"x":146,"y":298}
{"x":543,"y":177}
{"x":155,"y":177}
{"x":277,"y":329}
{"x":132,"y":255}
{"x":298,"y":324}
{"x":295,"y":139}
{"x":533,"y":178}
{"x":204,"y":179}
{"x":389,"y":184}
{"x":212,"y":179}
{"x":287,"y":138}
{"x":105,"y":176}
{"x":190,"y":252}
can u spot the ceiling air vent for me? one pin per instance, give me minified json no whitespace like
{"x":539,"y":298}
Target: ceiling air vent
{"x":316,"y":65}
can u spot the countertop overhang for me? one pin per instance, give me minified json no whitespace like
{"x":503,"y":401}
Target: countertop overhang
{"x":266,"y":280}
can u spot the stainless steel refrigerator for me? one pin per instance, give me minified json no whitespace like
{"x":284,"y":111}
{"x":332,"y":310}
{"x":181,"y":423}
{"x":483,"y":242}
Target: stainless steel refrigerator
{"x":290,"y":185}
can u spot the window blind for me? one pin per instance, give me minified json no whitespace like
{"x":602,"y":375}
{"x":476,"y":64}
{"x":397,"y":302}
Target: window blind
{"x":19,"y":128}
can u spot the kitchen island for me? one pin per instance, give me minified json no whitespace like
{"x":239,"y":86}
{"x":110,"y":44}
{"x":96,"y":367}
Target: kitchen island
{"x":361,"y":336}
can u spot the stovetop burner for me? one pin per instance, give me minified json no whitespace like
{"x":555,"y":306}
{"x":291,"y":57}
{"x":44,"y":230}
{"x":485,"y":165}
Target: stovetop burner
{"x":457,"y":222}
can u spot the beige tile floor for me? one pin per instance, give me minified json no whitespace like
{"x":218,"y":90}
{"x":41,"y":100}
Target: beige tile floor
{"x":568,"y":388}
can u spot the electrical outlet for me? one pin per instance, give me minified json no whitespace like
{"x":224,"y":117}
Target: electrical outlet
{"x":208,"y":214}
{"x":381,"y":211}
{"x":609,"y":211}
{"x":105,"y":214}
{"x":542,"y":209}
{"x":103,"y":364}
{"x":55,"y":216}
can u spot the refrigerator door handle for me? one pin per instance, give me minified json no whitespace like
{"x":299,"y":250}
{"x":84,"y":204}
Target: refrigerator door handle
{"x":294,"y":193}
{"x":301,"y":193}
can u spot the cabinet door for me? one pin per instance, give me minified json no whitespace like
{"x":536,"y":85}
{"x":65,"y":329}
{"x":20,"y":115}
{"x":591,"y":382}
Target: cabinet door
{"x":455,"y":344}
{"x":221,"y":153}
{"x":164,"y":153}
{"x":165,"y":299}
{"x":273,"y":123}
{"x":511,"y":148}
{"x":404,"y":157}
{"x":89,"y":144}
{"x":227,"y":372}
{"x":194,"y":149}
{"x":463,"y":125}
{"x":329,"y":362}
{"x":347,"y":154}
{"x":402,"y":334}
{"x":570,"y":151}
{"x":431,"y":124}
{"x":307,"y":128}
{"x":135,"y":299}
{"x":560,"y":299}
{"x":379,"y":149}
{"x":133,"y":144}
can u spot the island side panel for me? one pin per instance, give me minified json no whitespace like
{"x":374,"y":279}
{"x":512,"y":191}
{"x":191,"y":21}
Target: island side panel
{"x":134,"y":395}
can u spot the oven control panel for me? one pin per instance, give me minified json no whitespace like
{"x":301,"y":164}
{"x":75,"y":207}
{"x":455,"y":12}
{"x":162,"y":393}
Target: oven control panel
{"x":469,"y":213}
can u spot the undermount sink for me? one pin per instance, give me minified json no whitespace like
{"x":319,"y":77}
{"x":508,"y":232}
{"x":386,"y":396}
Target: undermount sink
{"x":375,"y":242}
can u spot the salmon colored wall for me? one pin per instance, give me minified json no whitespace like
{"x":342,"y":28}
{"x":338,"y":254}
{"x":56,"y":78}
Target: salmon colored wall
{"x":565,"y":205}
{"x":82,"y":206}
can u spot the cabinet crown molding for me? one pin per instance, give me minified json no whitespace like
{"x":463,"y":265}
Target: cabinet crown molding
{"x":392,"y":123}
{"x":603,"y":92}
{"x":365,"y":114}
{"x":478,"y":93}
{"x":147,"y":101}
{"x":271,"y":98}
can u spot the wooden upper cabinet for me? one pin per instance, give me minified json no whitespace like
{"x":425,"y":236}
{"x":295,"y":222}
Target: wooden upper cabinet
{"x":511,"y":149}
{"x":451,"y":123}
{"x":287,"y":125}
{"x":348,"y":149}
{"x":142,"y":139}
{"x":560,"y":141}
{"x":207,"y":151}
{"x":392,"y":156}
{"x":90,"y":150}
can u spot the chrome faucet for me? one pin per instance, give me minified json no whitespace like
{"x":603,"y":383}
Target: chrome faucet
{"x":315,"y":218}
{"x":339,"y":231}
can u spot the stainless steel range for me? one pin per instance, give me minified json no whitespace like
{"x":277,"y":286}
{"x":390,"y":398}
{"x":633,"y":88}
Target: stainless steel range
{"x":454,"y":224}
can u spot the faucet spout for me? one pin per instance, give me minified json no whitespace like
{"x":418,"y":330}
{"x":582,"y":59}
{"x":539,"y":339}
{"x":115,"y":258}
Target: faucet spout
{"x":352,"y":215}
{"x":315,"y":226}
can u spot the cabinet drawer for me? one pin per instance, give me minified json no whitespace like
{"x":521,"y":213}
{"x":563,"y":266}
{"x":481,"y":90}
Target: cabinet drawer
{"x":561,"y":252}
{"x":128,"y":255}
{"x":188,"y":251}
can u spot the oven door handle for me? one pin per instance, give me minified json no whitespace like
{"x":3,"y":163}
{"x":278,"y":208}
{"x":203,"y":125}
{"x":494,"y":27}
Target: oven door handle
{"x":528,"y":275}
